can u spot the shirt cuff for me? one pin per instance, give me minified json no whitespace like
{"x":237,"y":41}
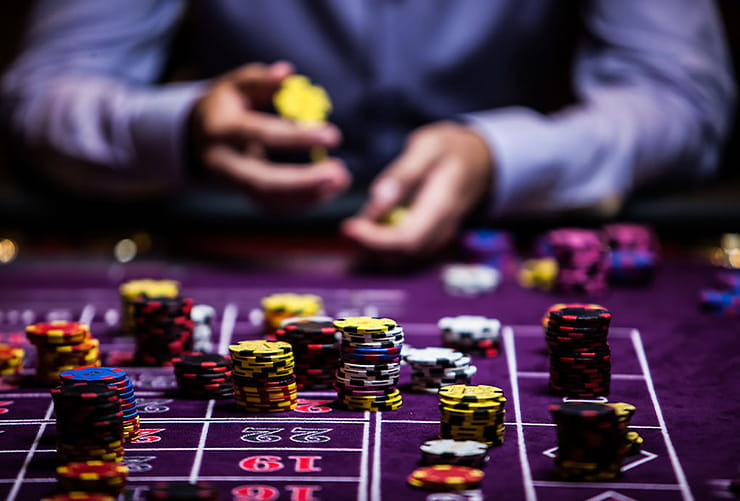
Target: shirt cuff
{"x":524,"y":151}
{"x":159,"y":129}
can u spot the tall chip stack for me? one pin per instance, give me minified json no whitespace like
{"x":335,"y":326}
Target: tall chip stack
{"x":472,"y":413}
{"x":62,"y":345}
{"x":11,"y":359}
{"x":433,"y":368}
{"x":162,"y":328}
{"x":580,"y":357}
{"x":315,"y":348}
{"x":591,"y":441}
{"x":143,"y":288}
{"x":280,"y":306}
{"x":582,"y":257}
{"x":370,"y":363}
{"x":262,"y":376}
{"x":473,"y":334}
{"x":633,"y":252}
{"x":116,"y":379}
{"x":89,"y":422}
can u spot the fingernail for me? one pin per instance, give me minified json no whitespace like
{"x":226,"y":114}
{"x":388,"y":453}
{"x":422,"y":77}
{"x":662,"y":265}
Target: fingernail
{"x":329,"y":135}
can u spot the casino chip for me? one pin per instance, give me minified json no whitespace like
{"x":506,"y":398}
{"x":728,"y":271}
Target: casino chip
{"x":262,"y":376}
{"x":457,"y":452}
{"x":580,"y":357}
{"x":202,"y":316}
{"x":92,"y":476}
{"x":181,"y":491}
{"x":79,"y":496}
{"x":62,"y":345}
{"x":89,"y":422}
{"x":591,"y":441}
{"x":472,"y":413}
{"x":538,"y":273}
{"x":117,"y":379}
{"x":369,"y":363}
{"x":11,"y":359}
{"x":582,"y":259}
{"x":494,"y":248}
{"x":162,"y":328}
{"x":281,"y":306}
{"x":633,"y":252}
{"x":203,"y":376}
{"x":472,"y":334}
{"x":143,"y":288}
{"x":433,"y":368}
{"x":470,"y":279}
{"x":445,"y":478}
{"x":316,"y":350}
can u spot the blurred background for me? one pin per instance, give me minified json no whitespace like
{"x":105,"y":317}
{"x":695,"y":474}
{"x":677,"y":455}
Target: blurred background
{"x":30,"y":211}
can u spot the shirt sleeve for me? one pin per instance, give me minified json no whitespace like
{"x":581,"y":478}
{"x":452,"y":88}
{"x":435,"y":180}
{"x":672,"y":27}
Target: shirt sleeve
{"x":654,"y":90}
{"x":82,"y":89}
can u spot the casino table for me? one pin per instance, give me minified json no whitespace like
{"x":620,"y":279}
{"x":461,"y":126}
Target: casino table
{"x":678,"y":366}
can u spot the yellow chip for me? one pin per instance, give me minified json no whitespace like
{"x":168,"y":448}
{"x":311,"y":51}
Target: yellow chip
{"x":299,"y":100}
{"x":260,"y":347}
{"x":149,"y":288}
{"x":365,"y":324}
{"x":462,"y":392}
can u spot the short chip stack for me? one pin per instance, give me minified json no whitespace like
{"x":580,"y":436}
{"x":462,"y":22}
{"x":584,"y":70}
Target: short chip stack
{"x":62,"y":345}
{"x":79,"y":496}
{"x":540,"y":273}
{"x":582,"y":257}
{"x":281,"y":306}
{"x":92,"y":476}
{"x":370,"y":363}
{"x":580,"y":358}
{"x":472,"y":413}
{"x":492,"y":247}
{"x":470,"y":279}
{"x":11,"y":359}
{"x":89,"y":422}
{"x":633,"y":252}
{"x":473,"y":334}
{"x":457,"y":452}
{"x":262,"y":375}
{"x":446,"y":478}
{"x":181,"y":491}
{"x":315,"y":348}
{"x":143,"y":288}
{"x":116,"y":379}
{"x":163,"y":329}
{"x":433,"y":368}
{"x":591,"y":441}
{"x":203,"y":375}
{"x":202,"y":316}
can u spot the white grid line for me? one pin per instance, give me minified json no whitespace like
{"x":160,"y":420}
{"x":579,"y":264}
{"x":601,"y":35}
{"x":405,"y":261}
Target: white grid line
{"x":678,"y":470}
{"x":609,"y":485}
{"x":529,"y":490}
{"x":375,"y":492}
{"x":546,"y":375}
{"x":201,"y":444}
{"x":228,"y":321}
{"x":88,"y":314}
{"x":22,"y":473}
{"x":362,"y":484}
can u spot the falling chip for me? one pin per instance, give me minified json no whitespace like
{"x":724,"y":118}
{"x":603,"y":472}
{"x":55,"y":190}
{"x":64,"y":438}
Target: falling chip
{"x":125,"y":250}
{"x":8,"y":250}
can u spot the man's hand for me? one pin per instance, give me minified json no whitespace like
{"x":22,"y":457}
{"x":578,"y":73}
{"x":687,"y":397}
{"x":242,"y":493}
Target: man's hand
{"x":231,"y":135}
{"x":444,"y":171}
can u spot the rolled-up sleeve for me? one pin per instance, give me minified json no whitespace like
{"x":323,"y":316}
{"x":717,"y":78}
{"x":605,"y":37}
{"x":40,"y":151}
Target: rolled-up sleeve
{"x":83,"y":88}
{"x":655,"y":94}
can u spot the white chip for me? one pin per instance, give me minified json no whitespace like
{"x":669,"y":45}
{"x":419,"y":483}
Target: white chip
{"x":434,"y":355}
{"x":458,"y":448}
{"x":470,"y":279}
{"x":202,"y":313}
{"x":476,"y":326}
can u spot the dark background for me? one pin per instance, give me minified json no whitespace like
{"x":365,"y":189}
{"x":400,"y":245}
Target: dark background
{"x":25,"y":208}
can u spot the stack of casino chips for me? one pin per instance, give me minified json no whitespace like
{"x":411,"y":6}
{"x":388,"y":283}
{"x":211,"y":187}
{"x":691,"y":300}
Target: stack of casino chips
{"x":473,"y":334}
{"x":262,"y":376}
{"x":117,"y":380}
{"x":11,"y":359}
{"x":582,"y":257}
{"x":470,"y":279}
{"x":633,"y":252}
{"x":458,"y":452}
{"x":540,"y":273}
{"x":62,"y":345}
{"x":432,"y":368}
{"x":102,"y":477}
{"x":624,"y":411}
{"x":315,"y":348}
{"x":446,"y":478}
{"x":202,"y":316}
{"x":162,"y":328}
{"x":472,"y":413}
{"x":89,"y":422}
{"x":143,"y":288}
{"x":370,"y":363}
{"x":203,"y":375}
{"x":591,"y":441}
{"x":725,"y":298}
{"x":491,"y":247}
{"x":79,"y":496}
{"x":580,"y":358}
{"x":181,"y":491}
{"x":278,"y":307}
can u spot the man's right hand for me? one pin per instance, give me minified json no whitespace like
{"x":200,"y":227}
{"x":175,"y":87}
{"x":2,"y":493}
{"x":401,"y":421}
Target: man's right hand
{"x":231,"y":134}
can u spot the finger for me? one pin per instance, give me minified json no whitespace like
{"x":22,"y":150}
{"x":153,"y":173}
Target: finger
{"x":259,"y":81}
{"x":397,"y":182}
{"x":328,"y":177}
{"x":276,"y":132}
